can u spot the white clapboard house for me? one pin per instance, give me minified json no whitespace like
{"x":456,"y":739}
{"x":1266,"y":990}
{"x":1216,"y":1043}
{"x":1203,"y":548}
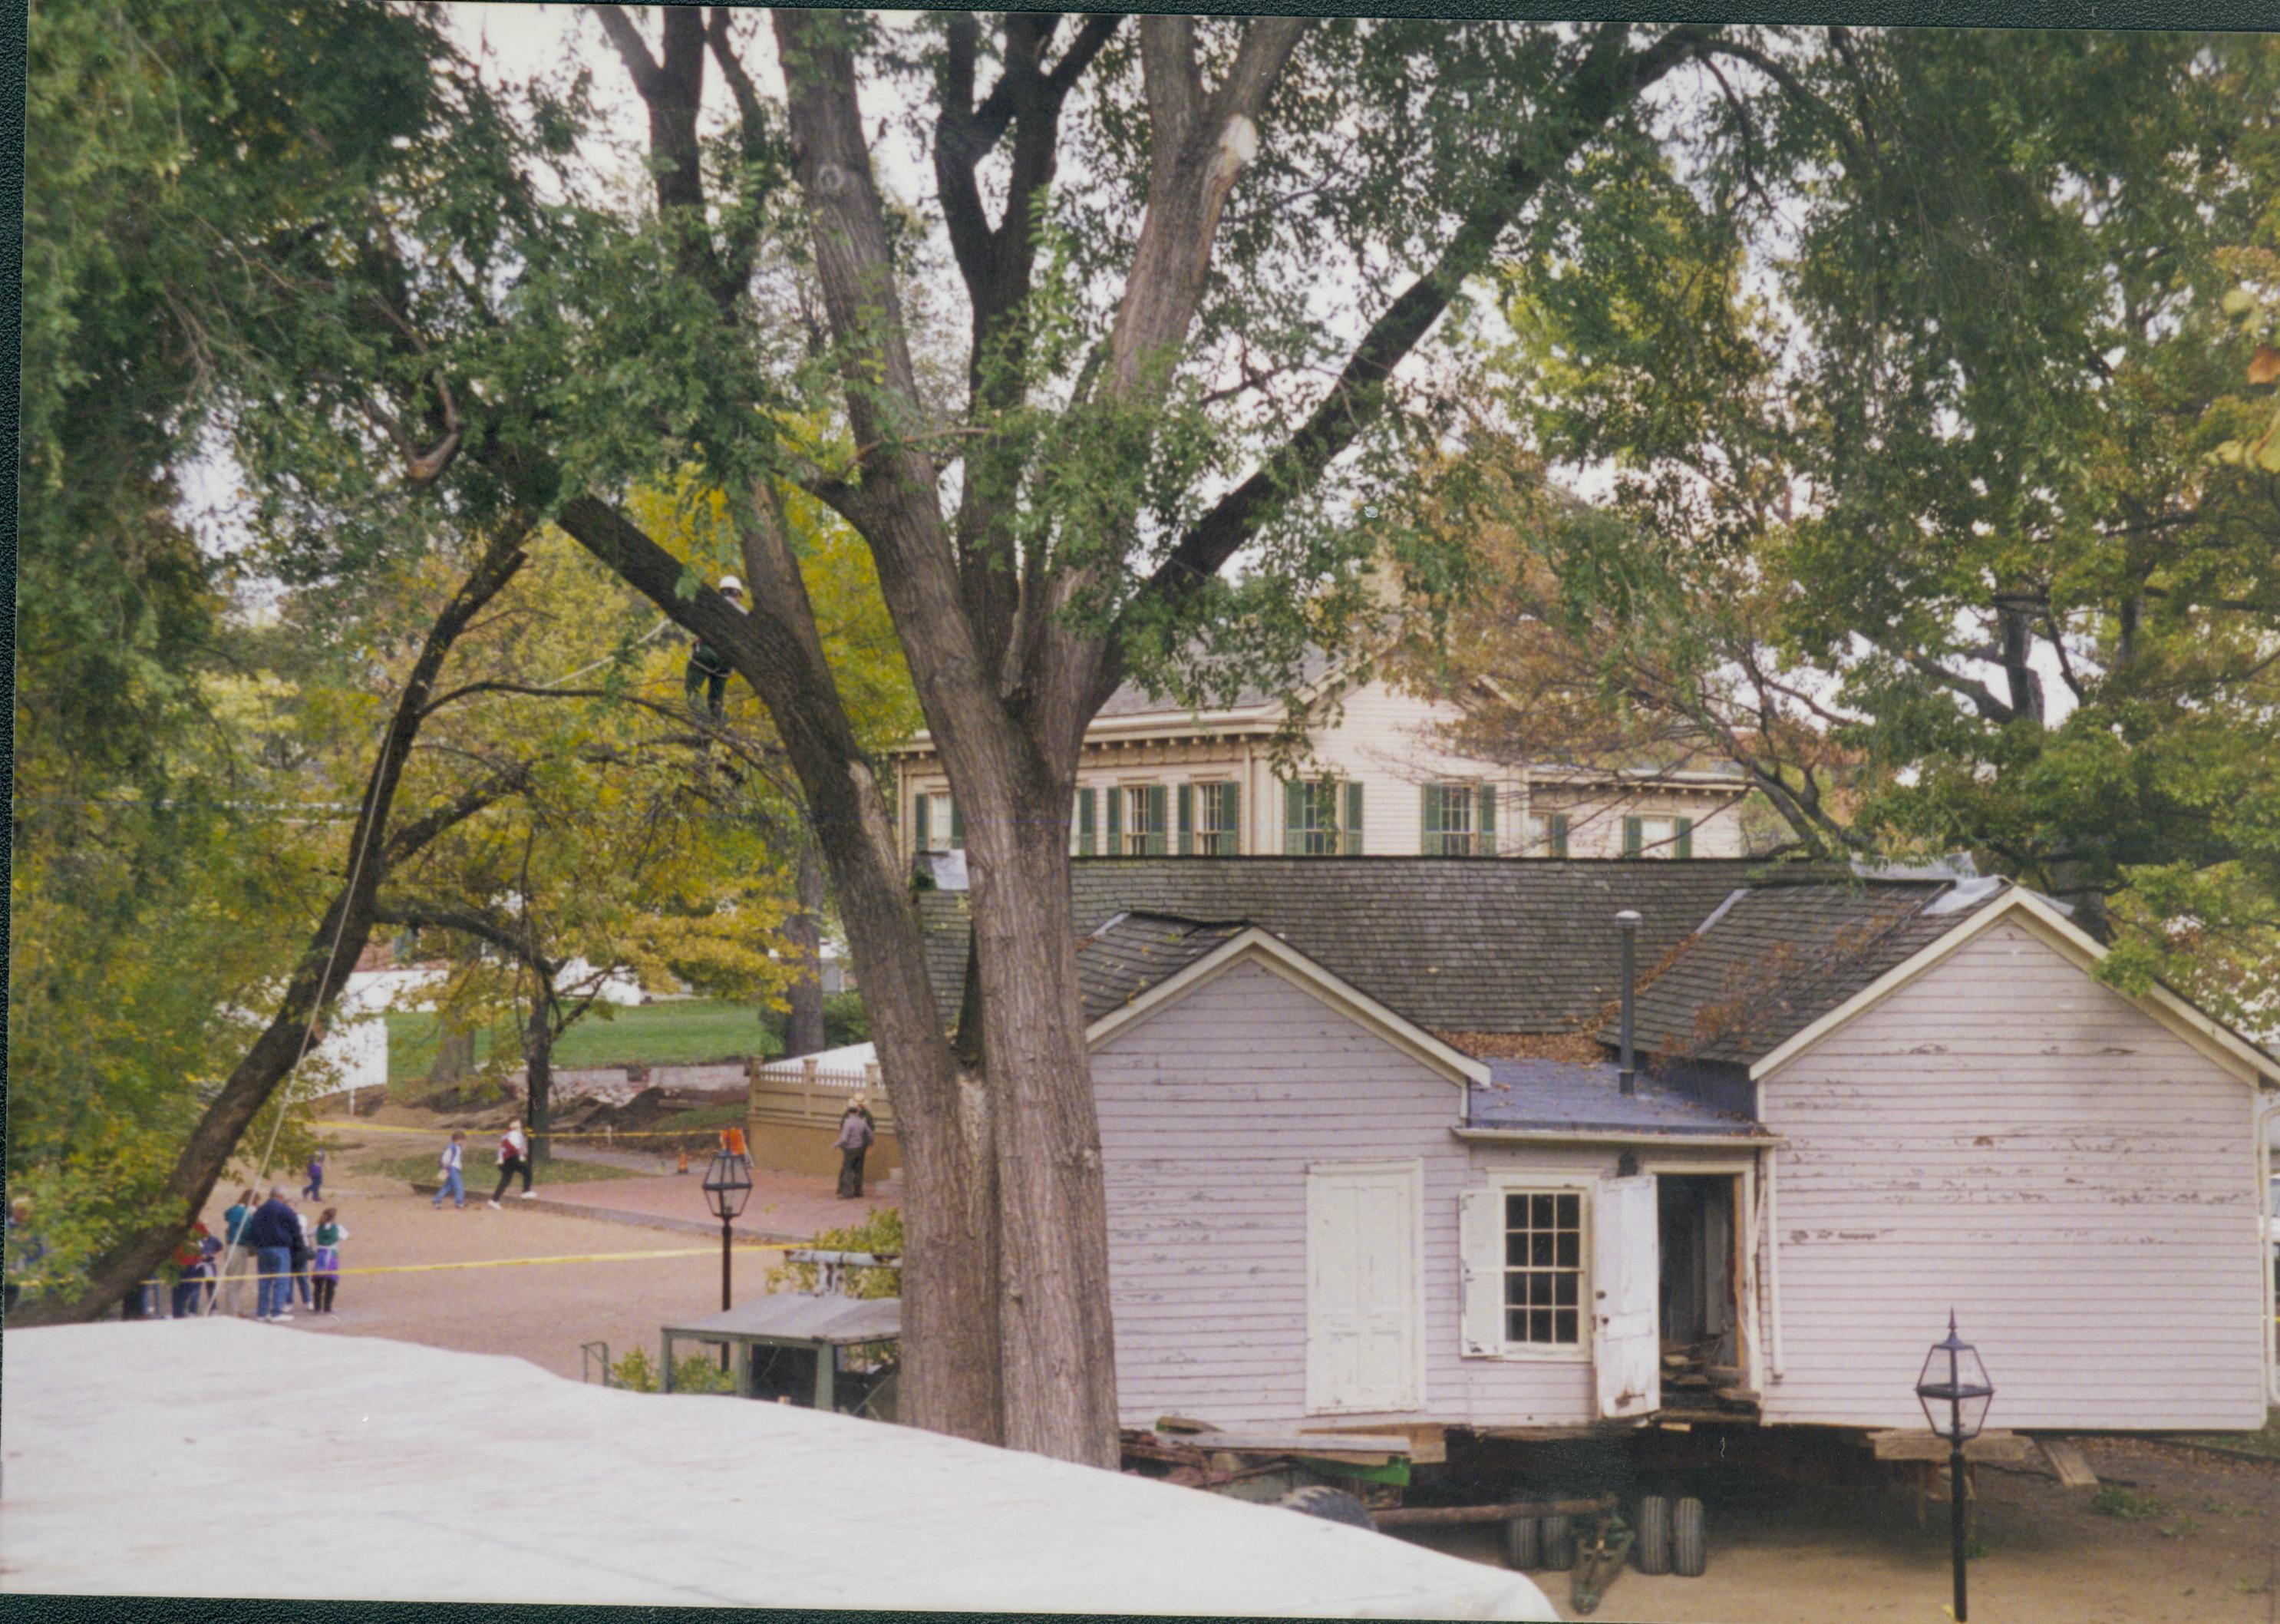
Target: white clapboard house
{"x":1864,"y":1103}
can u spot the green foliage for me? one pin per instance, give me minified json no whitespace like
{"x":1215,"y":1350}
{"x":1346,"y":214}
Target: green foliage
{"x":695,"y":1373}
{"x":881,"y":1234}
{"x":2113,"y":1500}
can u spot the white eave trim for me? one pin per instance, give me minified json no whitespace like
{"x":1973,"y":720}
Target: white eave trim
{"x":1609,"y":1135}
{"x":2222,"y":1045}
{"x":1255,"y":945}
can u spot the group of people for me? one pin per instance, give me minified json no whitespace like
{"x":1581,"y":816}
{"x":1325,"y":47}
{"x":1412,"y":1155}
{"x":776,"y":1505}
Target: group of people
{"x":513,"y":1159}
{"x":284,"y":1252}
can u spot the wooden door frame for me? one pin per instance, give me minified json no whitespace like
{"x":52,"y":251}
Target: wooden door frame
{"x":1747,"y":1238}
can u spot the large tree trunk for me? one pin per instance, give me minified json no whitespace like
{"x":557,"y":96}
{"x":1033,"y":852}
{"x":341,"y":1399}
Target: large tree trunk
{"x":455,"y":1052}
{"x":333,"y":947}
{"x":804,"y":935}
{"x":538,"y":1075}
{"x":1055,"y":1327}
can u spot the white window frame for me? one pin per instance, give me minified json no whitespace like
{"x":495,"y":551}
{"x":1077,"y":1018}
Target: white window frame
{"x":1565,"y":1181}
{"x":1211,"y":829}
{"x":1468,"y":795}
{"x":1131,"y":834}
{"x":940,"y":819}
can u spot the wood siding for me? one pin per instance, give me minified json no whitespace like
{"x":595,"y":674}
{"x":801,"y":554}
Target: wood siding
{"x":2006,"y":1137}
{"x":1210,"y":1112}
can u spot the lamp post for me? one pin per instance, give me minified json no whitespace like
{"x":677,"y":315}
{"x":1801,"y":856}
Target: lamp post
{"x":1955,"y":1392}
{"x":728,"y":1185}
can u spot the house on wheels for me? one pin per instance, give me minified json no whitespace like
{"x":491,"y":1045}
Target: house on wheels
{"x":1372,"y":1164}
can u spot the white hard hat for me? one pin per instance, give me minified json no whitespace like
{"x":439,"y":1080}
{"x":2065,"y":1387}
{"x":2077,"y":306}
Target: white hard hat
{"x":729,"y":583}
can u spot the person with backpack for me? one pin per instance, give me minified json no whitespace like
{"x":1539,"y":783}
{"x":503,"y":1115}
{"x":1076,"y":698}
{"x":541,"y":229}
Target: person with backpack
{"x":448,"y":1164}
{"x":326,"y":1266}
{"x":513,"y":1157}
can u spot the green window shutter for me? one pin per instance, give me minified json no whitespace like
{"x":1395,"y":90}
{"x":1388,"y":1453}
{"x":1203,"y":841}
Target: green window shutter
{"x":1634,"y":837}
{"x":1085,"y":825}
{"x":1350,"y":845}
{"x":1187,"y":821}
{"x":1484,"y":843}
{"x":1685,"y":838}
{"x":1294,"y":818}
{"x":1116,"y":821}
{"x":1559,"y":833}
{"x":1156,"y":820}
{"x":1428,"y":821}
{"x":922,"y":809}
{"x":956,"y":827}
{"x":1230,"y":814}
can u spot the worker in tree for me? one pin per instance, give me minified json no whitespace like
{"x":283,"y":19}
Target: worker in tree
{"x":708,"y":667}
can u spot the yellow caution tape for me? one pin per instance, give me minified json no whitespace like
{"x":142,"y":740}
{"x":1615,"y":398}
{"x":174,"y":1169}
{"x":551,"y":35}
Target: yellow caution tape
{"x":606,"y":1134}
{"x":516,"y":1263}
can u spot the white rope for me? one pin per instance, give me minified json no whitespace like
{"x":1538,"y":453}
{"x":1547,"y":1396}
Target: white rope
{"x":230,"y":1247}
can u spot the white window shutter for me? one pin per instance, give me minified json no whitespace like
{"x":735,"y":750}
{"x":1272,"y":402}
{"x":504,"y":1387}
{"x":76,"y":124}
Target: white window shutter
{"x":1480,"y":1243}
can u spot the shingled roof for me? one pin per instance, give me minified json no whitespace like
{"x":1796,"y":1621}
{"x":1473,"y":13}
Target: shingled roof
{"x":1454,"y":944}
{"x":1770,"y":961}
{"x":1131,"y":952}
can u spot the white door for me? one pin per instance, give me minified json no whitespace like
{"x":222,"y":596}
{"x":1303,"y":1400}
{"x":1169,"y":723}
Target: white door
{"x":1364,"y":1287}
{"x":1625,"y":1270}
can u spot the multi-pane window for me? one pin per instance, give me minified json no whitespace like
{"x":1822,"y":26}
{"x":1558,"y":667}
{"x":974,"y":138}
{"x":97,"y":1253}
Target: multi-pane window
{"x":1543,"y":1268}
{"x":937,"y":824}
{"x":1458,"y":821}
{"x":1659,"y":837}
{"x":1211,"y":819}
{"x":1321,"y":817}
{"x":1136,"y":820}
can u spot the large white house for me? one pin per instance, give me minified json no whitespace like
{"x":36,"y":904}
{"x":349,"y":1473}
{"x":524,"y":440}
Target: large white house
{"x":1376,"y":776}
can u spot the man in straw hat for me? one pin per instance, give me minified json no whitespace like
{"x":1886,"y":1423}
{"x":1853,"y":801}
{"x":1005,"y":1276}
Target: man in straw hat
{"x":856,"y":1133}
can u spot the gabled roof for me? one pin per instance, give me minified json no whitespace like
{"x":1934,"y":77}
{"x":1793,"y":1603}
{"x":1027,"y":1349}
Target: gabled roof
{"x":1455,"y":944}
{"x":1771,"y":960}
{"x":1130,"y":953}
{"x":1131,"y":699}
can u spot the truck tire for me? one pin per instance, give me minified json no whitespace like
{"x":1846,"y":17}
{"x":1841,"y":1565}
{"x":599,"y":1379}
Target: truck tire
{"x":1652,"y":1527}
{"x":1331,"y":1504}
{"x":1557,"y":1535}
{"x":1524,"y":1545}
{"x":1690,"y":1539}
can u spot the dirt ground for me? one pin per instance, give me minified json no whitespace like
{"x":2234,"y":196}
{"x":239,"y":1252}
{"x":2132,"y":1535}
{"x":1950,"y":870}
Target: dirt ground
{"x":2202,"y":1542}
{"x":2208,"y":1549}
{"x":537,"y":1312}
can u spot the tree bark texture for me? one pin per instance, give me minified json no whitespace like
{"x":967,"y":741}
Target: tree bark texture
{"x":538,"y":1072}
{"x":332,"y":952}
{"x":804,"y":935}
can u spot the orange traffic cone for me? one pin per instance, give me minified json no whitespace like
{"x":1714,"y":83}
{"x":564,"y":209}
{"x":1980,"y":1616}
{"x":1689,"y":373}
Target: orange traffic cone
{"x":684,"y":1159}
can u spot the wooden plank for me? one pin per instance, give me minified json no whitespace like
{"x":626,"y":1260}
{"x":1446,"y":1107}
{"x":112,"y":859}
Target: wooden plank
{"x":2066,"y":1460}
{"x":1303,"y":1443}
{"x":1428,"y":1441}
{"x":1431,"y":1516}
{"x":1907,"y":1445}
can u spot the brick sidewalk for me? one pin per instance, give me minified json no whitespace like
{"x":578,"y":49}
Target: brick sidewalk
{"x":784,"y":1207}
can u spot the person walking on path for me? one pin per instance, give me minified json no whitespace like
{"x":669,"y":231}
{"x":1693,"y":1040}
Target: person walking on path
{"x":314,"y":1189}
{"x":450,"y":1163}
{"x":271,"y":1232}
{"x":855,"y":1137}
{"x":237,"y":1257}
{"x":192,"y":1271}
{"x":513,"y":1157}
{"x":326,"y":1266}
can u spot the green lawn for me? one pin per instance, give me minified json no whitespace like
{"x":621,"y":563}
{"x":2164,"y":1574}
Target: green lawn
{"x":680,"y":1033}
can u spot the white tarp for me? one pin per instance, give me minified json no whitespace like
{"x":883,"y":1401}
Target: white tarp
{"x":129,"y":1444}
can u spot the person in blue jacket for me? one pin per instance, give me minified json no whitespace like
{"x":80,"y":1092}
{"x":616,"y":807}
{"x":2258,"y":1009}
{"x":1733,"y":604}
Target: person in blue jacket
{"x":272,"y":1233}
